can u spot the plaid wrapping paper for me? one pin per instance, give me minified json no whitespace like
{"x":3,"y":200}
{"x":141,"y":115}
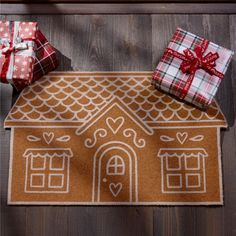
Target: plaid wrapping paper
{"x":169,"y":78}
{"x":17,"y":52}
{"x":45,"y":59}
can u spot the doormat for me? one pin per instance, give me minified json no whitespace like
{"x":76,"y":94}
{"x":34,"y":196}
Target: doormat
{"x":110,"y":138}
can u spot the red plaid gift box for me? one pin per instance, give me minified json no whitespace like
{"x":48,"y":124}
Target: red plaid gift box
{"x":17,"y":52}
{"x":192,"y":68}
{"x":45,"y":56}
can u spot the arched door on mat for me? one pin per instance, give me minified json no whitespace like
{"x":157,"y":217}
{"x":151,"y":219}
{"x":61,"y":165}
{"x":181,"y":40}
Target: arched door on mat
{"x":115,"y":177}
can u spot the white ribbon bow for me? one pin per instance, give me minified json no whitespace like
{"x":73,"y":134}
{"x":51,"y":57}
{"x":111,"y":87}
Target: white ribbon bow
{"x":16,"y":46}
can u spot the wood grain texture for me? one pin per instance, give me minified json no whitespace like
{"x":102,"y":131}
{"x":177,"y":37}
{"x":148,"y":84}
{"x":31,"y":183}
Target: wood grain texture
{"x":119,"y":8}
{"x":229,"y":141}
{"x":126,"y":42}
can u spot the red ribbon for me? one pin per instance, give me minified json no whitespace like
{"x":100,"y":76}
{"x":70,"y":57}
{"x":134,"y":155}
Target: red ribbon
{"x":194,"y":60}
{"x":6,"y":63}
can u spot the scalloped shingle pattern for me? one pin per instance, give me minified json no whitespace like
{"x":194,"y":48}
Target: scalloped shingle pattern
{"x":77,"y":98}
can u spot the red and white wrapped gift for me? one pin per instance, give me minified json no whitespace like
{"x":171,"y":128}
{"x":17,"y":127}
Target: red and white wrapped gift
{"x":192,"y":68}
{"x":17,"y":45}
{"x":45,"y":57}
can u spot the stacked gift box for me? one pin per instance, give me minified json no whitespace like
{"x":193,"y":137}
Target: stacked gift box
{"x":25,"y":53}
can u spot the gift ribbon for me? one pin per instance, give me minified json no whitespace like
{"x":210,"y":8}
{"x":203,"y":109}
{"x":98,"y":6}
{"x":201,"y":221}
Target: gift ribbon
{"x":11,"y":47}
{"x":194,"y":60}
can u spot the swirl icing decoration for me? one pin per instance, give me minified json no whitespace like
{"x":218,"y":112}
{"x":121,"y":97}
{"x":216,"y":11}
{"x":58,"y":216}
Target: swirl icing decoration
{"x":91,"y":142}
{"x":140,"y":143}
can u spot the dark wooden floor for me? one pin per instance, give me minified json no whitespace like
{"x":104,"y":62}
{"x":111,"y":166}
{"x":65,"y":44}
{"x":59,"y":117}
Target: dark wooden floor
{"x":126,"y":42}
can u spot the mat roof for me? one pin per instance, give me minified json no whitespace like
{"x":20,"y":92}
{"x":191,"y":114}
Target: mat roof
{"x":72,"y":98}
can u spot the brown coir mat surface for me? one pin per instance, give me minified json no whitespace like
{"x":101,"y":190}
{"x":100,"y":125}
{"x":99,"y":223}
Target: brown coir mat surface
{"x":111,"y":138}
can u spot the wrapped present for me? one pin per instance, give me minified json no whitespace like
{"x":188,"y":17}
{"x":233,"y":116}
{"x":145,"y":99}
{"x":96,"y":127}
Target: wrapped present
{"x":45,"y":57}
{"x":17,"y":54}
{"x":192,"y":68}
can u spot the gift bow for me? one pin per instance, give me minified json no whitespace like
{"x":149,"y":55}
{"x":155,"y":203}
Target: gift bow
{"x":7,"y":49}
{"x":194,"y":60}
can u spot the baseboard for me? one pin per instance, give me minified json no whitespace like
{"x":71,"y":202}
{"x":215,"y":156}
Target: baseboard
{"x":124,"y":8}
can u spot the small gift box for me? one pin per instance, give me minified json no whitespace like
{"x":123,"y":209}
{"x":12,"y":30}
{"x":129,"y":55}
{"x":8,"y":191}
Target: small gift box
{"x":45,"y":57}
{"x":191,"y":68}
{"x":17,"y":54}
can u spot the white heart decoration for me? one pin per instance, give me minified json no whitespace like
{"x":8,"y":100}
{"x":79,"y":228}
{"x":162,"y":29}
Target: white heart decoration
{"x":115,"y":124}
{"x":48,"y":137}
{"x":115,"y":188}
{"x":181,"y":137}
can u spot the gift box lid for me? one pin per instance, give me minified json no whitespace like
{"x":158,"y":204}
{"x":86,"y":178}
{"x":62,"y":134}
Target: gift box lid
{"x":26,"y":30}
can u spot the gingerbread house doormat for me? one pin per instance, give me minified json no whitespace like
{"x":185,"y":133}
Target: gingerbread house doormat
{"x":110,"y":138}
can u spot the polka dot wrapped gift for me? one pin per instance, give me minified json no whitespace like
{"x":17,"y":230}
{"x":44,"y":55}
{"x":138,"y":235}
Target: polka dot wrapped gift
{"x":17,"y":52}
{"x":192,"y":68}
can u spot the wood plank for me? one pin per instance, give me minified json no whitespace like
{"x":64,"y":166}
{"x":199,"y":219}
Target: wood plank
{"x":93,"y":37}
{"x":119,"y":8}
{"x":232,"y":23}
{"x":219,"y":32}
{"x":132,"y":48}
{"x":229,"y":140}
{"x":163,"y":27}
{"x":110,"y":221}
